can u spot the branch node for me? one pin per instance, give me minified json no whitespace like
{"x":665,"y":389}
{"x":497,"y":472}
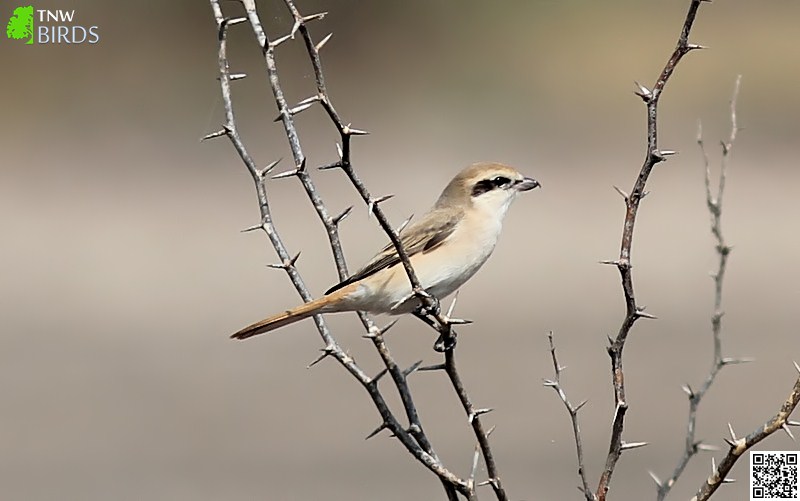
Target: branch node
{"x":642,"y":314}
{"x":288,"y":173}
{"x":477,"y":412}
{"x":643,"y":92}
{"x":373,"y":202}
{"x":580,"y":406}
{"x":280,"y":40}
{"x":374,"y":381}
{"x":338,"y":219}
{"x":334,"y":165}
{"x":388,"y":326}
{"x":266,"y":170}
{"x":232,"y":21}
{"x":622,"y":193}
{"x":286,"y":263}
{"x":293,"y":111}
{"x":347,"y":130}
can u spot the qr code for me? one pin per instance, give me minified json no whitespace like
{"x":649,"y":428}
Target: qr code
{"x":773,"y":475}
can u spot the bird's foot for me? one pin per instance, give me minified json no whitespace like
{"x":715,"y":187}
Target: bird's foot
{"x":445,"y":343}
{"x":429,"y":305}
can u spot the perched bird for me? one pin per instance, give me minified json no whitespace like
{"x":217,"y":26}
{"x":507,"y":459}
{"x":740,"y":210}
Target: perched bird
{"x":445,"y":247}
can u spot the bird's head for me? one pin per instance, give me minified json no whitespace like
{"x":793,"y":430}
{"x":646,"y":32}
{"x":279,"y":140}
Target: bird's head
{"x":488,"y":187}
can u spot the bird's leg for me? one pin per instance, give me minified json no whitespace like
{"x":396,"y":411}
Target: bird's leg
{"x":444,"y":342}
{"x":428,"y":304}
{"x":422,"y":313}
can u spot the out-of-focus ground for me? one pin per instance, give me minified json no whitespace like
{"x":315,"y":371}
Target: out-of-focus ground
{"x":123,"y":269}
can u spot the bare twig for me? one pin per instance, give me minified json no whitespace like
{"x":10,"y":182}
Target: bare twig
{"x":573,"y":410}
{"x":739,"y":446}
{"x":442,"y":323}
{"x":714,"y":204}
{"x":346,"y":132}
{"x":473,"y":416}
{"x":412,"y":438}
{"x":633,"y":310}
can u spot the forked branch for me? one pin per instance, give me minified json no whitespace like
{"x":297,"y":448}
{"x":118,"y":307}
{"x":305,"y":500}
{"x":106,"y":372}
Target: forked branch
{"x":573,"y":410}
{"x":413,"y":436}
{"x":431,"y":308}
{"x":738,"y":446}
{"x":714,"y":204}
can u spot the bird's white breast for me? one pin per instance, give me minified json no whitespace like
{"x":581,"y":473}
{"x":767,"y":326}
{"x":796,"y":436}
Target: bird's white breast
{"x":441,"y":271}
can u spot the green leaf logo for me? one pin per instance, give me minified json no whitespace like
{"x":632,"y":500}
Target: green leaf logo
{"x":21,"y":24}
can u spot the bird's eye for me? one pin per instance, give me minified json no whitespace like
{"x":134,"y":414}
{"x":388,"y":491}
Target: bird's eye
{"x":486,"y":185}
{"x":501,"y":181}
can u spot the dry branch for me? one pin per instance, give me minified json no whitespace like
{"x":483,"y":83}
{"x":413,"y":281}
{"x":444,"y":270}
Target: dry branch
{"x":431,"y":309}
{"x":633,"y":310}
{"x":573,"y":410}
{"x":714,"y":204}
{"x":739,"y":446}
{"x":413,"y":436}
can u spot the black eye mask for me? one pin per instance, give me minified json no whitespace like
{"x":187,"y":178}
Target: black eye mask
{"x":486,"y":185}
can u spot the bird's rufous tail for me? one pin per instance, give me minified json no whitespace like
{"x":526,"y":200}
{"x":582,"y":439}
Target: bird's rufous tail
{"x":287,"y":317}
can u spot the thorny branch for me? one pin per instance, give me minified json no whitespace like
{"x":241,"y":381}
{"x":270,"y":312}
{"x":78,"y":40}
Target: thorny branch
{"x":739,"y":446}
{"x":555,"y":384}
{"x":714,"y":204}
{"x":442,"y":323}
{"x":633,"y":310}
{"x":413,"y":437}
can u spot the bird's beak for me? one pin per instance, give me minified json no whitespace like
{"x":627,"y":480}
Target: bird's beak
{"x":527,"y":184}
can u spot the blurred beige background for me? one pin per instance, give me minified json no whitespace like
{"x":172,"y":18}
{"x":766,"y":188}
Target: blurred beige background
{"x":123,"y":269}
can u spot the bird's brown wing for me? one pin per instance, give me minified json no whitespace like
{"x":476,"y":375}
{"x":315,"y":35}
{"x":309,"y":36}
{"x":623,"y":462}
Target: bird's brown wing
{"x":424,"y":236}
